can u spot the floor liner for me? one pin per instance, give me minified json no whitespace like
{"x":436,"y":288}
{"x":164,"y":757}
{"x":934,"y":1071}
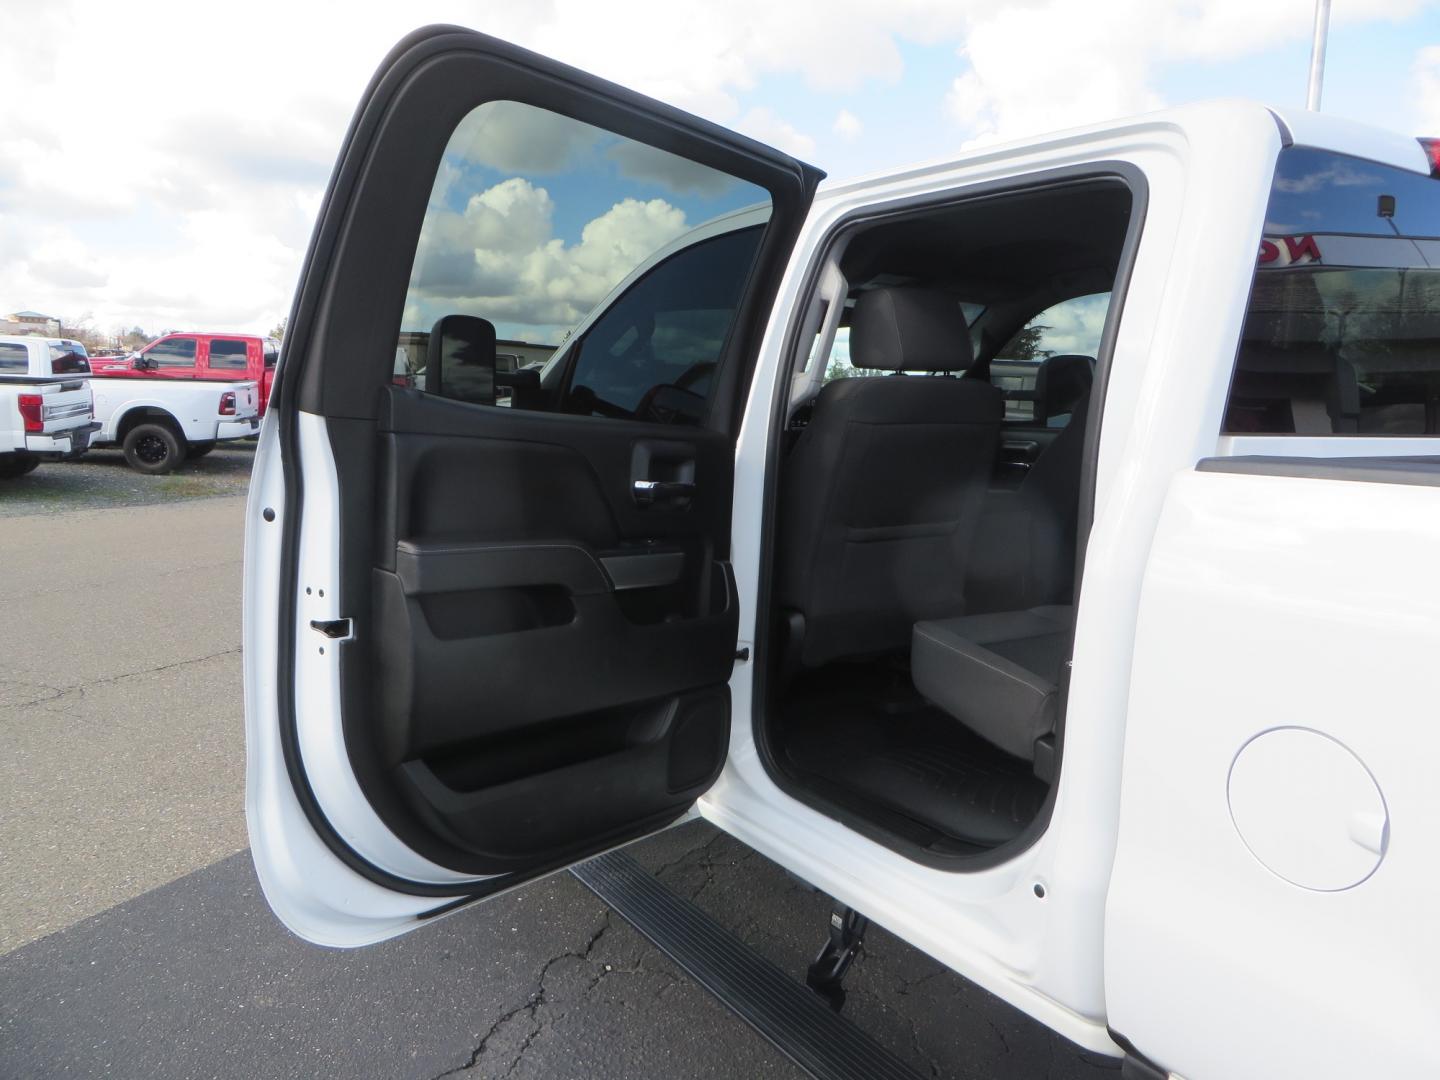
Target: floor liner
{"x":873,"y":741}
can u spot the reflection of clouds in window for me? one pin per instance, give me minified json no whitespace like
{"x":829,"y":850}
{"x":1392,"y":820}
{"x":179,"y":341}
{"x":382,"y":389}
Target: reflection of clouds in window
{"x":534,"y":217}
{"x":1074,"y":326}
{"x":1340,"y":174}
{"x":500,"y":257}
{"x":515,"y":138}
{"x":640,"y":162}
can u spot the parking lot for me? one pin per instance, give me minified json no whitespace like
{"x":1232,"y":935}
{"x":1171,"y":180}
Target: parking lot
{"x":135,"y":941}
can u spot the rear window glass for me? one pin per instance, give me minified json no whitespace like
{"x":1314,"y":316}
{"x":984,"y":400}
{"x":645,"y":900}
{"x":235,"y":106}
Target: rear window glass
{"x":14,"y":357}
{"x":69,"y":358}
{"x":227,"y":355}
{"x":1342,"y":331}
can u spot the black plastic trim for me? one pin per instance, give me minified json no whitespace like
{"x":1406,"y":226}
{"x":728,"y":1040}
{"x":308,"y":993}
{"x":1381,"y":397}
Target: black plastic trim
{"x":1414,"y":471}
{"x":797,"y":787}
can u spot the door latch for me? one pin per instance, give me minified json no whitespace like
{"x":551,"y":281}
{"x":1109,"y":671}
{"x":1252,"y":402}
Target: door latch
{"x":334,"y":629}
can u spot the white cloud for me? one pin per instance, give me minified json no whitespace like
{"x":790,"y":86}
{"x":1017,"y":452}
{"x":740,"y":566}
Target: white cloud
{"x":847,"y":125}
{"x":762,"y":123}
{"x":1054,"y":64}
{"x":162,"y":162}
{"x":499,"y":258}
{"x":1426,"y":77}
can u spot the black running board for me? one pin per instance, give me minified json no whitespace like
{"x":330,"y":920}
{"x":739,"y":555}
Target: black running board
{"x":795,"y":1020}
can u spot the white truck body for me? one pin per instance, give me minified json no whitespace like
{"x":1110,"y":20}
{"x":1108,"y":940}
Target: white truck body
{"x":159,"y":422}
{"x":1232,"y":872}
{"x":56,"y":420}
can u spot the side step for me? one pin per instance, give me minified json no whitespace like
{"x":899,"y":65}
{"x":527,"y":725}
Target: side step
{"x":795,"y":1020}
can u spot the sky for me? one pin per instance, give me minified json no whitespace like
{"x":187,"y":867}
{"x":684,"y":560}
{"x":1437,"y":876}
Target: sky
{"x":161,"y":164}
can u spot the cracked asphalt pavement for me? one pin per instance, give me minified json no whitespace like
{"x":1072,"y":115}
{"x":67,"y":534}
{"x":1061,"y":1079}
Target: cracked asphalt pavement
{"x":134,"y":941}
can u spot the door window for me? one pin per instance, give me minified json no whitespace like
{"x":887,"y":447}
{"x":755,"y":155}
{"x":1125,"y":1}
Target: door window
{"x":1342,"y":331}
{"x":534,"y":220}
{"x":227,"y":354}
{"x":178,"y":352}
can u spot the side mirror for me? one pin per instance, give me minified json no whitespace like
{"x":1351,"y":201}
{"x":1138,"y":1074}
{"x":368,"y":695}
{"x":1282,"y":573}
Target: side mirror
{"x":460,"y":359}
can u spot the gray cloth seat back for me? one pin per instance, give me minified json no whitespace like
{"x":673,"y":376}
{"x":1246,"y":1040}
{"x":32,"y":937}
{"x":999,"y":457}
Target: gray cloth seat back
{"x":882,"y":492}
{"x":1025,"y":548}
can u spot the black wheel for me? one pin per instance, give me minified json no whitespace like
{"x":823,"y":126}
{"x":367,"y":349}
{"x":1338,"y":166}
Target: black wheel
{"x":153,"y":448}
{"x":14,"y":466}
{"x":199,"y":449}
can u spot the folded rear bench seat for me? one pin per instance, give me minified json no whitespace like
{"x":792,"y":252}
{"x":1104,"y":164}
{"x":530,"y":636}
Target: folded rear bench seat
{"x":999,"y":674}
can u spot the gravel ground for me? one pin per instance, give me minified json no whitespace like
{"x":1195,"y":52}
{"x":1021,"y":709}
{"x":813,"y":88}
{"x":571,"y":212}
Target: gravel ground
{"x":102,"y":479}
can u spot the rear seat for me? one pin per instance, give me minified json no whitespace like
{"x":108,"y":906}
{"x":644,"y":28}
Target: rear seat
{"x":998,"y":674}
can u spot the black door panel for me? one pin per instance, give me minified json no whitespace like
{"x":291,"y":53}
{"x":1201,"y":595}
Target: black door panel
{"x":549,"y":655}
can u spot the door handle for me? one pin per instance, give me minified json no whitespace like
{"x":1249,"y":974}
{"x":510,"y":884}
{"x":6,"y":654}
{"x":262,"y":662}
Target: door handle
{"x":649,"y":492}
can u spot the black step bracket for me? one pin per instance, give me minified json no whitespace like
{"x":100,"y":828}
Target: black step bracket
{"x":796,"y":1021}
{"x":826,"y":976}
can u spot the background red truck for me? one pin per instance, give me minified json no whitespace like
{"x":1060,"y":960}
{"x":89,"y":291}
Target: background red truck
{"x":199,"y":356}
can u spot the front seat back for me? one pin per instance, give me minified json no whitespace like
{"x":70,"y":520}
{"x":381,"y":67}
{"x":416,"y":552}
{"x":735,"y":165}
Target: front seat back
{"x":883,"y":490}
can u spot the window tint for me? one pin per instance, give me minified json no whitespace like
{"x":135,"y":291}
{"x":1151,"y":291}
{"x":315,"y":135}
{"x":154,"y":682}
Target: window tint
{"x":533,"y":220}
{"x":1072,"y":327}
{"x":68,"y":358}
{"x":1342,"y":330}
{"x":227,"y":354}
{"x":652,"y":356}
{"x":14,"y":357}
{"x":172,"y":353}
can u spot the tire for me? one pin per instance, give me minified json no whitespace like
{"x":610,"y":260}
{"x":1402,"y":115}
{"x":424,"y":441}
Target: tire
{"x":14,"y":466}
{"x":199,"y":450}
{"x":153,"y":448}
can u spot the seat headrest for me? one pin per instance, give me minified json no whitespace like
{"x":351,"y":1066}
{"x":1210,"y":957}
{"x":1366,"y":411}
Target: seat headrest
{"x":909,"y":330}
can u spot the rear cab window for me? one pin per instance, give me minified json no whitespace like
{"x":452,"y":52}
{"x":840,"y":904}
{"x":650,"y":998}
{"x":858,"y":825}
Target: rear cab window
{"x":14,"y":358}
{"x":68,"y":358}
{"x":228,"y":354}
{"x":1342,"y":331}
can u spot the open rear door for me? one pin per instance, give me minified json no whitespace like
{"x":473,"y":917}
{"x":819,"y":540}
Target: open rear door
{"x":490,"y":618}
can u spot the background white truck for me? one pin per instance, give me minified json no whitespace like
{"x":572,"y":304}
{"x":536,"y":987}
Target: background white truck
{"x":45,"y":405}
{"x":161,"y":422}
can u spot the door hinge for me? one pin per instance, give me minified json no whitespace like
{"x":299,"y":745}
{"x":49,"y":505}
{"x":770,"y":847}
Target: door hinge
{"x":741,"y":655}
{"x":334,"y":629}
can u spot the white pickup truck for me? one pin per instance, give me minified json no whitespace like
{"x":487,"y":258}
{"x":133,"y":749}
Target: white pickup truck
{"x":162,"y":422}
{"x":1120,"y":703}
{"x":46,"y":413}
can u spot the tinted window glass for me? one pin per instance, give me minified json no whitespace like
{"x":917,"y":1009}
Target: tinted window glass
{"x":69,"y":358}
{"x":14,"y":357}
{"x":172,"y":353}
{"x":227,"y":355}
{"x":652,"y":355}
{"x":533,"y":220}
{"x":1072,"y":327}
{"x":1342,"y":331}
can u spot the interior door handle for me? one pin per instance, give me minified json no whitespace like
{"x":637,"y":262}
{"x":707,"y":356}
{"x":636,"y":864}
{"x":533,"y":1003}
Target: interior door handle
{"x":649,"y":492}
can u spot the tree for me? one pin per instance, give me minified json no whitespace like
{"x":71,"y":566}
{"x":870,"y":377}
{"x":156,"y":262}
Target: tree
{"x":278,"y":330}
{"x":1025,"y":345}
